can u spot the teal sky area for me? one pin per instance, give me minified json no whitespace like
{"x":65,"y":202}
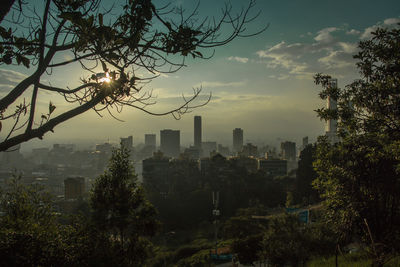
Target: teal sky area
{"x":262,"y":84}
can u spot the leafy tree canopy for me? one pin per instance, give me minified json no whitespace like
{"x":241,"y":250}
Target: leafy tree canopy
{"x":120,"y":209}
{"x":304,"y":193}
{"x":30,"y":234}
{"x":359,"y":177}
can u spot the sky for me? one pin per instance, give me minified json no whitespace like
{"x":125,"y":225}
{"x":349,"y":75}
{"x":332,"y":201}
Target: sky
{"x":262,"y":84}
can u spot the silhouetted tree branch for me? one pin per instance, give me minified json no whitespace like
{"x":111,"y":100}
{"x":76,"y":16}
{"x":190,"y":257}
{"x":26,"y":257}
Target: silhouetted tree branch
{"x":141,"y":37}
{"x":5,"y":7}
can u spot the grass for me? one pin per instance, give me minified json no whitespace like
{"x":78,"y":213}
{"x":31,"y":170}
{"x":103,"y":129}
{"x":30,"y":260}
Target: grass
{"x":350,"y":260}
{"x":342,"y":262}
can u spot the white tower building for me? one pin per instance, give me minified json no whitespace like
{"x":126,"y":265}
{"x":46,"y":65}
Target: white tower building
{"x":331,"y":125}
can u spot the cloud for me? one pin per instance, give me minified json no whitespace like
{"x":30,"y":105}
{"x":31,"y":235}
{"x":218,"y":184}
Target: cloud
{"x":68,"y":57}
{"x":349,"y":48}
{"x":368,"y":32}
{"x":325,"y":36}
{"x":179,"y":99}
{"x":391,"y":21}
{"x":287,"y":56}
{"x":387,"y":23}
{"x":239,"y":59}
{"x":219,"y":84}
{"x":283,"y":77}
{"x":156,"y":73}
{"x":282,"y":55}
{"x":327,"y":51}
{"x":229,"y":99}
{"x":9,"y":78}
{"x":337,"y":60}
{"x":353,"y":32}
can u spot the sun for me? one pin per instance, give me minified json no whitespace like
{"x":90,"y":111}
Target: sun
{"x":102,"y":77}
{"x":106,"y":78}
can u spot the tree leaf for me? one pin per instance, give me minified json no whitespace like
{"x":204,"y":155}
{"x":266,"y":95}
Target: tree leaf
{"x":71,"y":16}
{"x":51,"y":108}
{"x":104,"y":66}
{"x":25,"y":61}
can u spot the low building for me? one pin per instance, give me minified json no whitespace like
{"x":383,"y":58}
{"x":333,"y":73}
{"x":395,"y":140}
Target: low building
{"x":208,"y":148}
{"x":74,"y":187}
{"x":249,"y":150}
{"x":274,"y":167}
{"x":192,"y":152}
{"x":249,"y":163}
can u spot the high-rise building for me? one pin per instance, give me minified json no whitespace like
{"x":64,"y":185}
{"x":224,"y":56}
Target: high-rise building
{"x":304,"y":144}
{"x":288,"y":150}
{"x":237,"y":140}
{"x":289,"y":153}
{"x":305,"y":141}
{"x":127,"y":142}
{"x":149,"y":147}
{"x":150,"y":140}
{"x":197,"y":132}
{"x":331,"y":125}
{"x":170,"y":142}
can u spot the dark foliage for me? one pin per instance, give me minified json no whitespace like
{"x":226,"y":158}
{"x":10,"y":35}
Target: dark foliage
{"x":359,"y":176}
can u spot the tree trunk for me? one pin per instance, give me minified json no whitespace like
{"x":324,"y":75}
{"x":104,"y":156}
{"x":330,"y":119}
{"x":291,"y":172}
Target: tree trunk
{"x":336,"y":255}
{"x":5,"y":7}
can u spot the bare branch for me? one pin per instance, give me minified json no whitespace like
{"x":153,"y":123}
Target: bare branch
{"x":49,"y":126}
{"x":139,"y":37}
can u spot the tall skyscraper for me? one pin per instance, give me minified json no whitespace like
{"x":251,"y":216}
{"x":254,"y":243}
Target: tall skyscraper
{"x":237,"y":140}
{"x":150,"y":140}
{"x":288,"y":150}
{"x":331,"y":125}
{"x":127,"y":142}
{"x":197,"y":132}
{"x":289,"y":154}
{"x":150,"y":143}
{"x":170,"y":142}
{"x":305,"y":141}
{"x":304,"y":144}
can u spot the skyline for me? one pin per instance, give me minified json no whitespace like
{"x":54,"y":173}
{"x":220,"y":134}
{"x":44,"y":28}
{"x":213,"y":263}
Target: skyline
{"x":261,"y":84}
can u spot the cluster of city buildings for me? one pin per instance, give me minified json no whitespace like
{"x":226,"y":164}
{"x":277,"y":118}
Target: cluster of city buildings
{"x":247,"y":155}
{"x":69,"y":173}
{"x":62,"y":168}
